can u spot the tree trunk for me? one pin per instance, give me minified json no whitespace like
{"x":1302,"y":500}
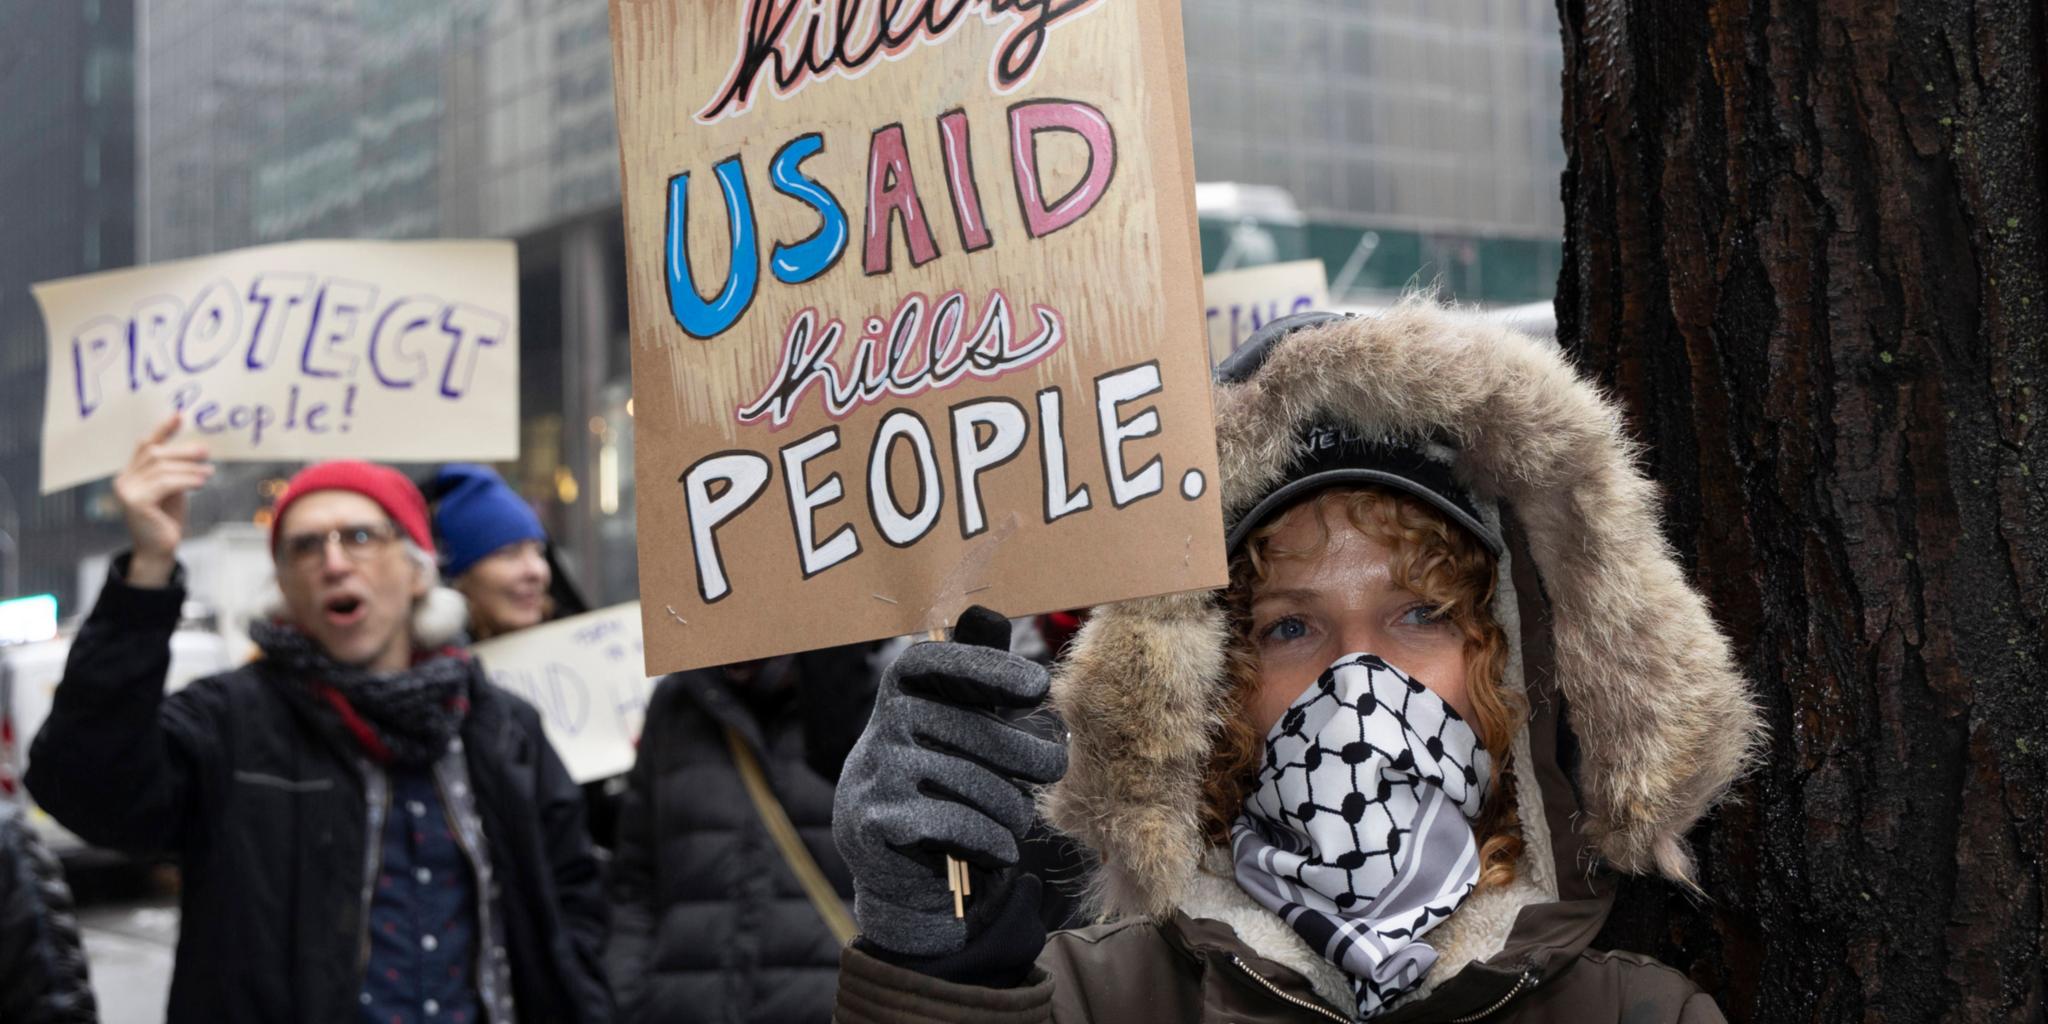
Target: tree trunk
{"x":1805,"y":246}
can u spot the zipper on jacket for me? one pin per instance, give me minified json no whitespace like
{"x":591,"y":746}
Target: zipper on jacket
{"x":1323,"y":1011}
{"x":373,"y":864}
{"x":1523,"y":983}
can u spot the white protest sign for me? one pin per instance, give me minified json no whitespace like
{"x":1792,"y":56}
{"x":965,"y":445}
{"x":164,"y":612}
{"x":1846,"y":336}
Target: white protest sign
{"x":396,"y":351}
{"x":1240,"y":302}
{"x":584,"y":676}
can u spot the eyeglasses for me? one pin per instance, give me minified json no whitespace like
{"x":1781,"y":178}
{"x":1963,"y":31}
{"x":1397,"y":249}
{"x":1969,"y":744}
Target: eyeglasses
{"x":359,"y":543}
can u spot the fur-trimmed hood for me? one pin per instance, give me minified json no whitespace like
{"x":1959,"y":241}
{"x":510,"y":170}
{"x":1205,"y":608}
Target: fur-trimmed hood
{"x":1603,"y":626}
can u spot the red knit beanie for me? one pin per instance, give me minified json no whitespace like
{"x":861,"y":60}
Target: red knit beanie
{"x":386,"y":486}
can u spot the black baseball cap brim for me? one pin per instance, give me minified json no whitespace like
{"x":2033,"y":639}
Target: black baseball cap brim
{"x":1330,"y":456}
{"x":1302,"y":488}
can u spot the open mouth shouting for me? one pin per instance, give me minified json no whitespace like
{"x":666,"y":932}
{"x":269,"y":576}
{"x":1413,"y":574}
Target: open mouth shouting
{"x":344,"y":610}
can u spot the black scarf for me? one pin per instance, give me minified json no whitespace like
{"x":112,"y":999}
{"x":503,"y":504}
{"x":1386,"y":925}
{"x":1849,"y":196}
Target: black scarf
{"x":405,"y":717}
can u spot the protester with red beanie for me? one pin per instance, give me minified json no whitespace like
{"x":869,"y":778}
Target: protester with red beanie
{"x":368,"y":828}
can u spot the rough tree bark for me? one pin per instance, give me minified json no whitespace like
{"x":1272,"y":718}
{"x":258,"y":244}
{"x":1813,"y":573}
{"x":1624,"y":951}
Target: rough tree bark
{"x":1805,"y":245}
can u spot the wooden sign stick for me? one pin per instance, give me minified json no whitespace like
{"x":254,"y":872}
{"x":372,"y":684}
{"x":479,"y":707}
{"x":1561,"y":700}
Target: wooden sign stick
{"x":956,"y":869}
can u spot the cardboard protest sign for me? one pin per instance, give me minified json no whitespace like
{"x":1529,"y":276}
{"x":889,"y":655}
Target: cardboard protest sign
{"x":397,"y":351}
{"x":1242,"y":301}
{"x":583,"y":675}
{"x":916,"y":315}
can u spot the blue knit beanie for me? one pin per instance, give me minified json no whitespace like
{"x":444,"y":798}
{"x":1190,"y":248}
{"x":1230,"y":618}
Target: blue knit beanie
{"x":476,"y":515}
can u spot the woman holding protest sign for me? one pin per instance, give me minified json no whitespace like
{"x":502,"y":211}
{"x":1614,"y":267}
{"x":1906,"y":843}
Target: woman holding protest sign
{"x":1455,"y":678}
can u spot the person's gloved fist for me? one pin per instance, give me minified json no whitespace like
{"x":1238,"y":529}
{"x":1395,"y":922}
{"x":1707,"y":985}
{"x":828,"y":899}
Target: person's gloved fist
{"x":939,"y":771}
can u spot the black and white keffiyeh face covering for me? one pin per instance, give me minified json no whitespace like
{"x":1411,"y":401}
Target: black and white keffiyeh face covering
{"x":1358,"y":833}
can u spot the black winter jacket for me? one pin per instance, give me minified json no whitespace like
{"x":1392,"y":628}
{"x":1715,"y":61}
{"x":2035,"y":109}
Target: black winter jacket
{"x":265,"y":808}
{"x":42,"y":965}
{"x":710,"y":923}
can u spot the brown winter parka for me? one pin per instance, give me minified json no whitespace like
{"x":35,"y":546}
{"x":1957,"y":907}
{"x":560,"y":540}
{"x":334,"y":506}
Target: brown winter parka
{"x":1638,"y":721}
{"x":1198,"y":970}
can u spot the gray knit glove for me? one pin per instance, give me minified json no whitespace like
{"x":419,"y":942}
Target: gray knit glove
{"x":939,"y":771}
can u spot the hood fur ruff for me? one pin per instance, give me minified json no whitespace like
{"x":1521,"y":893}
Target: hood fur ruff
{"x":1665,"y":723}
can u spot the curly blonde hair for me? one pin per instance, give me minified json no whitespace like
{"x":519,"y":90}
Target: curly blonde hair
{"x":1444,"y":565}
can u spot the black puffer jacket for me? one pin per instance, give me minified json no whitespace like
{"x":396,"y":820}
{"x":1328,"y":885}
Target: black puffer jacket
{"x":709,"y":922}
{"x":264,"y":806}
{"x":42,"y":966}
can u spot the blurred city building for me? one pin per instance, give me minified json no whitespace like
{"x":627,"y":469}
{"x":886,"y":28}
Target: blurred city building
{"x":67,"y":206}
{"x":272,"y":120}
{"x":1399,"y":142}
{"x":1419,"y":142}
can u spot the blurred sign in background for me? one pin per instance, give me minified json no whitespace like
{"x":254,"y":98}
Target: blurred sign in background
{"x":1239,"y":302}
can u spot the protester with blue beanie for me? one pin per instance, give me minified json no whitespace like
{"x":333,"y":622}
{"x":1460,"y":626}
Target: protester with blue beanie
{"x":493,"y":550}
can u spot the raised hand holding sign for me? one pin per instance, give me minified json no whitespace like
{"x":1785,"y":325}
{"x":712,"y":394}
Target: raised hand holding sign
{"x":152,"y":492}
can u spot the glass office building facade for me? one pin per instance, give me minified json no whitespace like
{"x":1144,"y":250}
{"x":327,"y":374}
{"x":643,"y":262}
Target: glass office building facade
{"x":269,"y":120}
{"x":273,"y":120}
{"x":67,"y":204}
{"x":1419,"y":140}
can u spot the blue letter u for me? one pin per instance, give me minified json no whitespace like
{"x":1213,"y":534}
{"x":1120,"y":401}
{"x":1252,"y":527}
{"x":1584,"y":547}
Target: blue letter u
{"x":698,"y":318}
